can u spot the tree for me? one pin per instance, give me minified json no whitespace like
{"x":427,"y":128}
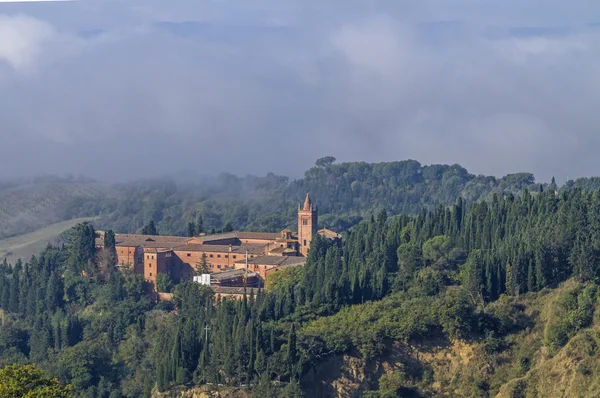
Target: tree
{"x":150,"y":229}
{"x":291,"y":349}
{"x":202,"y":266}
{"x":164,"y":284}
{"x":584,"y":258}
{"x":107,"y":258}
{"x":27,"y":381}
{"x":228,"y":227}
{"x":191,"y":229}
{"x":409,"y":260}
{"x":472,"y":276}
{"x":325,"y":162}
{"x":109,"y":240}
{"x":437,"y":249}
{"x":200,"y":225}
{"x":82,"y":246}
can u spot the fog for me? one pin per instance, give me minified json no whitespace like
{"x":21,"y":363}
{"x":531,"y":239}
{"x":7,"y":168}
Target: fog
{"x":126,"y":89}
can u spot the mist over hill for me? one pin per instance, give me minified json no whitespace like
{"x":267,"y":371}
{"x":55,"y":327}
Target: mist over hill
{"x":344,"y":192}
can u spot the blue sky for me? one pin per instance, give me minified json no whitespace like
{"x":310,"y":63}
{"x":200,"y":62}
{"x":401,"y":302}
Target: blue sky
{"x":123,"y":89}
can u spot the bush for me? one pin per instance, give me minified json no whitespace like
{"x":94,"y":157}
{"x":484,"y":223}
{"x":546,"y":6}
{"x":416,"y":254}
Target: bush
{"x":390,"y":384}
{"x":575,"y":311}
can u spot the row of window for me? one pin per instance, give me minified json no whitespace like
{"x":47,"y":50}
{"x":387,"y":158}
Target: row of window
{"x":210,"y":256}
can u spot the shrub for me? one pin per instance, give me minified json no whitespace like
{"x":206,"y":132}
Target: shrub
{"x":575,"y":311}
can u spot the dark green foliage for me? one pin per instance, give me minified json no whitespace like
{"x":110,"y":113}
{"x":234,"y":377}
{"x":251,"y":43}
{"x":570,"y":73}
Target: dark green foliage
{"x":164,"y":283}
{"x":82,"y":247}
{"x":575,"y":312}
{"x":438,"y":273}
{"x":150,"y":229}
{"x":191,"y":229}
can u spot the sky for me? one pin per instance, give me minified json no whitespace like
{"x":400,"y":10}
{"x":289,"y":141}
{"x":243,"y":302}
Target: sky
{"x":120,"y":89}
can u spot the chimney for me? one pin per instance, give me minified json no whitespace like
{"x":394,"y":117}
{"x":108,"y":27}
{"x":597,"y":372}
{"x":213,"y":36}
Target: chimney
{"x":230,"y":248}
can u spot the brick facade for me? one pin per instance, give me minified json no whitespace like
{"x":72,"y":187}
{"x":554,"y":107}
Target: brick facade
{"x":180,"y":256}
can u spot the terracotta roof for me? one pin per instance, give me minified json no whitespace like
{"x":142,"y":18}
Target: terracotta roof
{"x":329,"y":234}
{"x":155,"y":250}
{"x":156,"y":245}
{"x":275,"y":260}
{"x":237,"y":249}
{"x":234,"y":273}
{"x":307,"y":203}
{"x":148,"y":240}
{"x":208,"y":238}
{"x":277,"y":250}
{"x":238,"y":235}
{"x":198,"y":244}
{"x":233,"y":290}
{"x":259,"y":235}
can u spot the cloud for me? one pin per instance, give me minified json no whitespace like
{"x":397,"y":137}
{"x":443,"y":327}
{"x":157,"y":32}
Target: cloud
{"x":120,"y":90}
{"x":22,"y":39}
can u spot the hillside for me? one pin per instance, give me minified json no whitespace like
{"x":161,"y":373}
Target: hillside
{"x":26,"y":245}
{"x":345,"y":193}
{"x":525,"y":362}
{"x":28,"y":206}
{"x":493,"y":298}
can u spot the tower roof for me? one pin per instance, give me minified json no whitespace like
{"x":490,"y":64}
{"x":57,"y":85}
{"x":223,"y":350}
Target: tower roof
{"x":307,"y":203}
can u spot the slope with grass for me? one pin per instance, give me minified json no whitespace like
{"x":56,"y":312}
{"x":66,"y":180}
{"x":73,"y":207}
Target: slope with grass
{"x":26,"y":207}
{"x":24,"y":246}
{"x":545,"y":345}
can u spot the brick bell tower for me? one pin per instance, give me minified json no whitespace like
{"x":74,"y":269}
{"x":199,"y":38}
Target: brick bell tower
{"x":307,"y":224}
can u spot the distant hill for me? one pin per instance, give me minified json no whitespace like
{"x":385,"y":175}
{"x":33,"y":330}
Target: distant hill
{"x":26,"y":207}
{"x":26,"y":245}
{"x":345,"y":193}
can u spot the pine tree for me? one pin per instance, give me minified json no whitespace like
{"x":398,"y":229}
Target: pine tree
{"x":54,"y":292}
{"x":228,"y":227}
{"x":202,"y":266}
{"x":82,"y":246}
{"x":291,"y":350}
{"x":13,"y":305}
{"x":191,"y":230}
{"x":473,"y":277}
{"x":150,"y":229}
{"x":200,"y":225}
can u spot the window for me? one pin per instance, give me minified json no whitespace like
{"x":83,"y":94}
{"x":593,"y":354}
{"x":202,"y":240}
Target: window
{"x":218,"y":256}
{"x":304,"y":222}
{"x":150,"y":273}
{"x":304,"y":242}
{"x":189,"y":254}
{"x":211,"y":256}
{"x":148,"y":257}
{"x":234,"y":257}
{"x":152,"y":257}
{"x":219,"y":266}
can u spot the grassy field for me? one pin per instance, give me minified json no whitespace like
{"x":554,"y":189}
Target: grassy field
{"x":24,"y":246}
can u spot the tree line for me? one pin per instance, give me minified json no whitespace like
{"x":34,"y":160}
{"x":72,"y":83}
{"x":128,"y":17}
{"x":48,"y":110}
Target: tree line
{"x":71,"y":312}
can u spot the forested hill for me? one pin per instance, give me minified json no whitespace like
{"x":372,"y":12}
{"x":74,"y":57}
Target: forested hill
{"x":475,"y":284}
{"x":344,"y":192}
{"x":26,"y":206}
{"x":399,"y":187}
